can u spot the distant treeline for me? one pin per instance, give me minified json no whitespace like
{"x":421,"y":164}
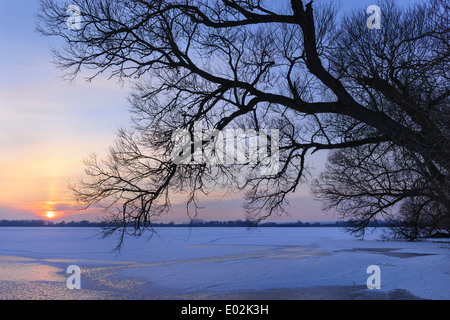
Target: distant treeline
{"x":46,"y":223}
{"x":193,"y":223}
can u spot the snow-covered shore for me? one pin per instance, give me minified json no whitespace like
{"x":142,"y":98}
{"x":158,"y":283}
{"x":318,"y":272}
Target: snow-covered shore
{"x":220,"y":263}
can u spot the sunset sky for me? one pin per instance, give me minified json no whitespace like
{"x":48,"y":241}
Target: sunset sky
{"x":48,"y":125}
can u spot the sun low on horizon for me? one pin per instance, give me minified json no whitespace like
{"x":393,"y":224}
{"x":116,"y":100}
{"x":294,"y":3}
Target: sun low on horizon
{"x":52,"y":210}
{"x":50,"y":215}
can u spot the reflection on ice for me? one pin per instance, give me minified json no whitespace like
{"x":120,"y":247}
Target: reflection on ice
{"x":10,"y":270}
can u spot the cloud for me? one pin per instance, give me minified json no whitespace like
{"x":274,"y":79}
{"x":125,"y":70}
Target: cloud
{"x":12,"y":213}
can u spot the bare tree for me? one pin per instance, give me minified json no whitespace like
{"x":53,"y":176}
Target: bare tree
{"x":383,"y":181}
{"x":403,"y":72}
{"x":325,"y":83}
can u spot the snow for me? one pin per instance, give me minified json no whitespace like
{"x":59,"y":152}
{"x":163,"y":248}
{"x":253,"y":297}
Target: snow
{"x":214,"y":262}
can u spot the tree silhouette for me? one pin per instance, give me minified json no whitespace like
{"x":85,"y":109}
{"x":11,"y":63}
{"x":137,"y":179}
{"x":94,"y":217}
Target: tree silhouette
{"x":326,"y":83}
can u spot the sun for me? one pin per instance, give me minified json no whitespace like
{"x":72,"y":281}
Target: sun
{"x":50,"y":214}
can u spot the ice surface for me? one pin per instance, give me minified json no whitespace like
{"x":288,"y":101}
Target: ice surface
{"x":218,"y":262}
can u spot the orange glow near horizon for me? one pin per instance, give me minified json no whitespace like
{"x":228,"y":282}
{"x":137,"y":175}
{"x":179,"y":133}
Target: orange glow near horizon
{"x":48,"y":208}
{"x":35,"y":184}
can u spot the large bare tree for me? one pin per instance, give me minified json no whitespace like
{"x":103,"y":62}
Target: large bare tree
{"x":326,"y":82}
{"x":403,"y":72}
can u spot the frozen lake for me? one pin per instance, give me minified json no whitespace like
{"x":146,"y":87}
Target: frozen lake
{"x":219,"y":263}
